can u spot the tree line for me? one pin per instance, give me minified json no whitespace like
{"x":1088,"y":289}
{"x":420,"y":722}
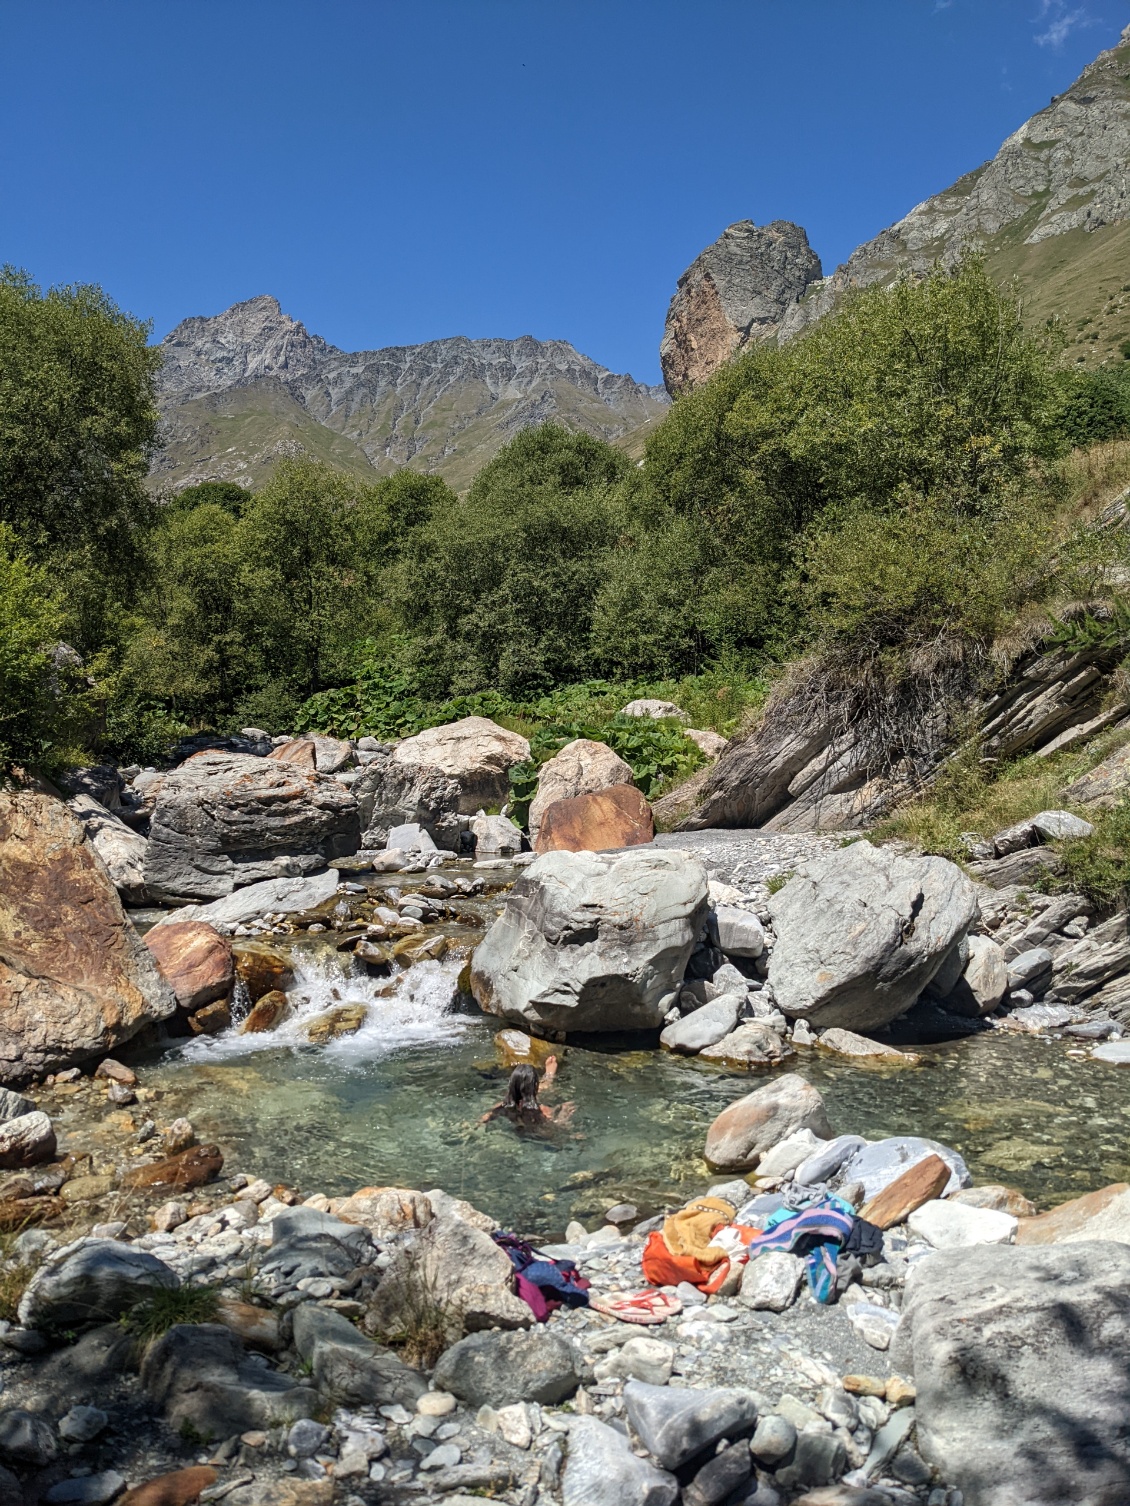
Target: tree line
{"x":888,"y":485}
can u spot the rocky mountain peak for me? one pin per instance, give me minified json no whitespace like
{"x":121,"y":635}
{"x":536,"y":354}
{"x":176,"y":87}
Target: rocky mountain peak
{"x":1061,"y":171}
{"x":249,"y":340}
{"x":739,"y":290}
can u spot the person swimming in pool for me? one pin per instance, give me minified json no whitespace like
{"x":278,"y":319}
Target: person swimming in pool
{"x":521,"y":1104}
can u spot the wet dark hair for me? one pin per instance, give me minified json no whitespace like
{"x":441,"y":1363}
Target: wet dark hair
{"x":522,"y":1089}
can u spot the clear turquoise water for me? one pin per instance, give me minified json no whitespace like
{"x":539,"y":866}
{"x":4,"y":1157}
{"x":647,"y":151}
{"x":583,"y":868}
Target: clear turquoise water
{"x":400,"y":1103}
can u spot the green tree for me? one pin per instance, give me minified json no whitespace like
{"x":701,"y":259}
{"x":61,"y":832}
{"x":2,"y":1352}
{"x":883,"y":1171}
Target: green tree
{"x":311,"y":555}
{"x":498,"y":590}
{"x":190,"y":646}
{"x":77,"y":418}
{"x":42,"y":702}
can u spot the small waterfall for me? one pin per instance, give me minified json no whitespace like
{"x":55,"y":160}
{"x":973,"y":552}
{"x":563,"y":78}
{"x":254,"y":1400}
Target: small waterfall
{"x":412,"y":1008}
{"x":240,"y":1006}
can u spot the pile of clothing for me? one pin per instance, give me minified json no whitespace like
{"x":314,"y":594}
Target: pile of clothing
{"x":543,"y":1284}
{"x":709,"y":1241}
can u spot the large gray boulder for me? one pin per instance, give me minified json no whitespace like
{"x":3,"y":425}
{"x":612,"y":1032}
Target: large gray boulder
{"x":202,"y":1379}
{"x":348,"y":1366}
{"x":392,"y":794}
{"x":437,"y":779}
{"x":1021,"y":1358}
{"x":120,"y":847}
{"x":862,"y":933}
{"x":499,"y":1369}
{"x":452,"y":1267}
{"x":602,"y":1470}
{"x":593,"y":941}
{"x":704,"y":1027}
{"x":90,"y":1281}
{"x":224,"y":820}
{"x":280,"y":896}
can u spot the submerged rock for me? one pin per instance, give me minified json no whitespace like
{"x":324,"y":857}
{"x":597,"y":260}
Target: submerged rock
{"x":863,"y":932}
{"x":76,"y":981}
{"x":742,"y":1133}
{"x":593,"y":942}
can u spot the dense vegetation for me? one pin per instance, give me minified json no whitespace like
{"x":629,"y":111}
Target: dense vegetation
{"x":884,"y":496}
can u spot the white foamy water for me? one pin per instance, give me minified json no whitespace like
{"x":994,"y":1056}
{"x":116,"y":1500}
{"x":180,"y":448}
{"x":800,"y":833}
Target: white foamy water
{"x":412,"y":1008}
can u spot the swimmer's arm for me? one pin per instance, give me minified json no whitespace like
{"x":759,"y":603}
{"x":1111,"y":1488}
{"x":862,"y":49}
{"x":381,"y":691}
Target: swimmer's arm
{"x":491,"y":1113}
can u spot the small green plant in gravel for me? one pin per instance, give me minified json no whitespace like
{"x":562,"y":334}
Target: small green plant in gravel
{"x":163,"y":1309}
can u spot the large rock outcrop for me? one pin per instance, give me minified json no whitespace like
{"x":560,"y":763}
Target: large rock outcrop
{"x":800,"y":769}
{"x":75,"y":978}
{"x":592,"y":941}
{"x":583,"y":767}
{"x":224,"y":820}
{"x":1021,"y":1359}
{"x":436,"y":778}
{"x":1061,"y":171}
{"x":863,"y":932}
{"x":737,"y":291}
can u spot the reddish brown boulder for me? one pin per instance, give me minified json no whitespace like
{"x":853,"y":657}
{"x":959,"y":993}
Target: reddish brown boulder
{"x":195,"y":959}
{"x":75,"y":979}
{"x":112,"y":1071}
{"x":261,"y":967}
{"x":181,"y":1488}
{"x":1104,"y":1214}
{"x":617,"y":817}
{"x":922,"y":1182}
{"x":299,"y":750}
{"x":191,"y":1168}
{"x":212,"y":1019}
{"x":268,"y":1012}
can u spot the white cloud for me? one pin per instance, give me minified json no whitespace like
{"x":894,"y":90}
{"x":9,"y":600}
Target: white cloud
{"x":1061,"y":22}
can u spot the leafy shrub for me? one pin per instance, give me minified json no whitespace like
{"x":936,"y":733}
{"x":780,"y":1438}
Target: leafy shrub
{"x":1098,"y":866}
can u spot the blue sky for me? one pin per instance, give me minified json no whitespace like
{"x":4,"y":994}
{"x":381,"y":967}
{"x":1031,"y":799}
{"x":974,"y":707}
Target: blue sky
{"x":397,"y":172}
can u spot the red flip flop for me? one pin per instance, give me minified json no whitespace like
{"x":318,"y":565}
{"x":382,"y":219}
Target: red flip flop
{"x":644,"y":1307}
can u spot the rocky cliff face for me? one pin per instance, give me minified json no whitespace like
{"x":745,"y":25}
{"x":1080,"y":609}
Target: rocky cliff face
{"x":740,"y":289}
{"x":1051,"y":208}
{"x":1064,"y":170}
{"x":251,"y":384}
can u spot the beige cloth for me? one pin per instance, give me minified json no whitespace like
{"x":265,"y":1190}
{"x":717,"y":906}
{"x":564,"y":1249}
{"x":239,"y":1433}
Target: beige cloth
{"x":689,"y":1232}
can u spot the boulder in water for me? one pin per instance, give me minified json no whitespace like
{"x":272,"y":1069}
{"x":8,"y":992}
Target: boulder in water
{"x":742,"y":1133}
{"x":862,"y":933}
{"x":593,"y":941}
{"x":195,"y":960}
